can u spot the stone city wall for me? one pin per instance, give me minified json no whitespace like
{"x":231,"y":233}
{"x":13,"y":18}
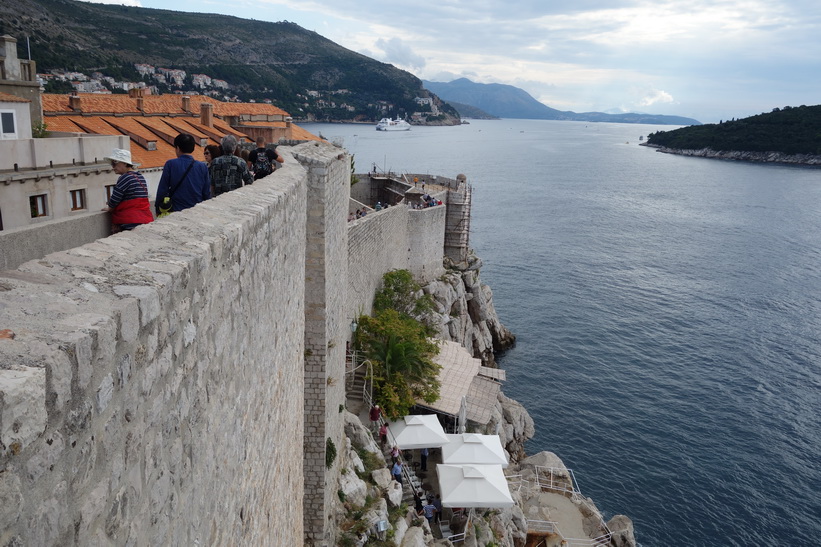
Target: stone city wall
{"x":326,"y":332}
{"x":154,"y":385}
{"x":152,"y":392}
{"x":391,"y":239}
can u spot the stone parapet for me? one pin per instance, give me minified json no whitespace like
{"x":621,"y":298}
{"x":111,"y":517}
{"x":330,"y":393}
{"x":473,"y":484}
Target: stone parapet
{"x":151,"y":391}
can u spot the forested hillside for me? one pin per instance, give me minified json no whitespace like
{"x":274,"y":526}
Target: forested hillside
{"x":790,"y":130}
{"x":260,"y":60}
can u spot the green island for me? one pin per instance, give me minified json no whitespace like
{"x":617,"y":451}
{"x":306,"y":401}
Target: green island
{"x":789,"y":130}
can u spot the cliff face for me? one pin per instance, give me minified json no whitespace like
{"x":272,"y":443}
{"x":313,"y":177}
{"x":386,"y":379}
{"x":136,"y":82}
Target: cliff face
{"x":465,"y":311}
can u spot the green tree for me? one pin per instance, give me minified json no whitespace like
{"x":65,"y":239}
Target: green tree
{"x":402,"y":293}
{"x":402,"y":353}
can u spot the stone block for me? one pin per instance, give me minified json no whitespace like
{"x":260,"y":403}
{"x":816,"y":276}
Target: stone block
{"x":148,"y":298}
{"x":23,"y":416}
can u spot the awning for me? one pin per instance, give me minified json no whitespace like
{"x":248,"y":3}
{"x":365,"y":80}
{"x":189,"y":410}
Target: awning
{"x":473,"y":486}
{"x":418,"y":431}
{"x":471,"y":448}
{"x":459,"y":377}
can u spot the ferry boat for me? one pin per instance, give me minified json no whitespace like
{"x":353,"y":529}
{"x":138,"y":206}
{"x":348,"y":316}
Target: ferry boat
{"x":387,"y":124}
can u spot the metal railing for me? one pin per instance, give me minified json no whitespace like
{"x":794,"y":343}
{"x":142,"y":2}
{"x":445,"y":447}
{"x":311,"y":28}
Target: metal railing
{"x":563,"y":481}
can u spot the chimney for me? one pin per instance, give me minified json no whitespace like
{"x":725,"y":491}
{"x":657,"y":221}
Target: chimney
{"x":135,"y":92}
{"x":207,"y":114}
{"x":74,"y":103}
{"x":186,"y":103}
{"x":141,"y":104}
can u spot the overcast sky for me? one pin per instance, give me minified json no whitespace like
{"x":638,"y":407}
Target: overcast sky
{"x":706,"y":59}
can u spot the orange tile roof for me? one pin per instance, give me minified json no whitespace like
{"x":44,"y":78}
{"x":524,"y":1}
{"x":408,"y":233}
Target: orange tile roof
{"x":157,"y":128}
{"x":63,"y":124}
{"x":8,"y":98}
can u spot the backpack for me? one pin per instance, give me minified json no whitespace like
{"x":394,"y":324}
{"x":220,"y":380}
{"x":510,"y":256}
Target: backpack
{"x":262,"y":167}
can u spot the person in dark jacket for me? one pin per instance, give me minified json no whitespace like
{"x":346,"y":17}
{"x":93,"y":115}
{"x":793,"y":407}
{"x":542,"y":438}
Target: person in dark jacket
{"x":184,"y":180}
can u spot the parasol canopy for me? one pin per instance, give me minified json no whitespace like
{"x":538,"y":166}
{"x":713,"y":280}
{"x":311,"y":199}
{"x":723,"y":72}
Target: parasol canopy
{"x":473,"y":486}
{"x":418,"y":431}
{"x":471,"y":448}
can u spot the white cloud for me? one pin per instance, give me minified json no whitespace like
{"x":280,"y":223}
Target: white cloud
{"x":399,"y":53}
{"x":656,"y":96}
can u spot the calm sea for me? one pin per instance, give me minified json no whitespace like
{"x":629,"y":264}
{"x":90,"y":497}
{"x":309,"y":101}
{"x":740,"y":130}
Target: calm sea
{"x":668,"y":314}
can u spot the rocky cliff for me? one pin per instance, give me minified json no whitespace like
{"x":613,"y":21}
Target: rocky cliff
{"x":757,"y":157}
{"x":465,"y":311}
{"x":465,"y":314}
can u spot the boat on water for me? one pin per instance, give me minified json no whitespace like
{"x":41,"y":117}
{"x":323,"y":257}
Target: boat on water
{"x":387,"y":124}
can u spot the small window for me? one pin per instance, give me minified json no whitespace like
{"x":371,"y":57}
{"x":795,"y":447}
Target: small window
{"x":78,"y":200}
{"x":108,"y":191}
{"x":8,"y":124}
{"x":39,"y":206}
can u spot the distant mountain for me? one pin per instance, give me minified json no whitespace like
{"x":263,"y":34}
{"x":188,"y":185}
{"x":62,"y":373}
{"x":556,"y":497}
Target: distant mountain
{"x":260,"y":60}
{"x":507,"y":101}
{"x":469,"y":111}
{"x":789,"y":130}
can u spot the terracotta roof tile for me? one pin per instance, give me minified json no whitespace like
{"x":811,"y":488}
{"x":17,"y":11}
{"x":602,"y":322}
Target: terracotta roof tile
{"x":156,"y":128}
{"x":62,"y":123}
{"x":8,"y":98}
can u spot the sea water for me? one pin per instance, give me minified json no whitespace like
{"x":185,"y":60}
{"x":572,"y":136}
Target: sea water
{"x":668,"y":315}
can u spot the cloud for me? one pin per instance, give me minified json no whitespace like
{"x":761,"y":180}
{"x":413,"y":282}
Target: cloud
{"x":399,"y":53}
{"x":656,"y":96}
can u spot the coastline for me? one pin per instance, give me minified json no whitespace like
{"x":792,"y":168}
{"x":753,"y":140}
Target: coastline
{"x":563,"y":509}
{"x":809,"y":160}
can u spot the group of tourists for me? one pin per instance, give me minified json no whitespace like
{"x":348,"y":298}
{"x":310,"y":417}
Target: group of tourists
{"x":185,"y":181}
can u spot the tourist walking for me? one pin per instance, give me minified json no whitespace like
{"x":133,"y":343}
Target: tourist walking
{"x":184,"y":181}
{"x":228,"y":172}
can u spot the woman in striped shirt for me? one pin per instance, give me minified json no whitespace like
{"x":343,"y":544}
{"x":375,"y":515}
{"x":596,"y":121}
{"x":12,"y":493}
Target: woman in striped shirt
{"x":129,"y":199}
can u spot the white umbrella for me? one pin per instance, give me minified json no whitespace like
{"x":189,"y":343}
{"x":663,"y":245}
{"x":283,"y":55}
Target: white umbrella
{"x":418,"y":431}
{"x":473,"y":486}
{"x":471,"y":448}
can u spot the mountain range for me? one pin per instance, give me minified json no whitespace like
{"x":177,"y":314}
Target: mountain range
{"x":302,"y":72}
{"x":298,"y":70}
{"x":507,"y":101}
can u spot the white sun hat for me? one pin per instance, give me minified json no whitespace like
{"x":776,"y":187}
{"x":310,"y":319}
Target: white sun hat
{"x":118,"y":154}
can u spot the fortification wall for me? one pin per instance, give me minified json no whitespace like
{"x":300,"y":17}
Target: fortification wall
{"x":153,"y":390}
{"x":391,"y":239}
{"x":154,"y":385}
{"x":426,"y":239}
{"x":326,"y":332}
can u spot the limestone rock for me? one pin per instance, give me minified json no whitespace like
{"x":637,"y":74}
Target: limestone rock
{"x":400,"y":528}
{"x":382,"y":477}
{"x":394,"y":494}
{"x":359,"y":435}
{"x":354,"y":488}
{"x":622,"y":528}
{"x":414,"y":537}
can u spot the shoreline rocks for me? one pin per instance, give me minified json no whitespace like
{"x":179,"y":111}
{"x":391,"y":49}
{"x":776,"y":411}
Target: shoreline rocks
{"x":736,"y":155}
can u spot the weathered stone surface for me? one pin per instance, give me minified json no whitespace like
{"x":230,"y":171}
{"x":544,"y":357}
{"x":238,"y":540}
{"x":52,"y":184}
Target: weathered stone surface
{"x":354,"y":488}
{"x":622,"y":528}
{"x":414,"y":537}
{"x":383,"y":478}
{"x":394,"y":494}
{"x":22,"y":407}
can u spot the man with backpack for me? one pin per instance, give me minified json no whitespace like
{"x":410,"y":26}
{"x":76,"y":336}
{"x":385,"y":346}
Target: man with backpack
{"x":184,"y":181}
{"x":264,"y":159}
